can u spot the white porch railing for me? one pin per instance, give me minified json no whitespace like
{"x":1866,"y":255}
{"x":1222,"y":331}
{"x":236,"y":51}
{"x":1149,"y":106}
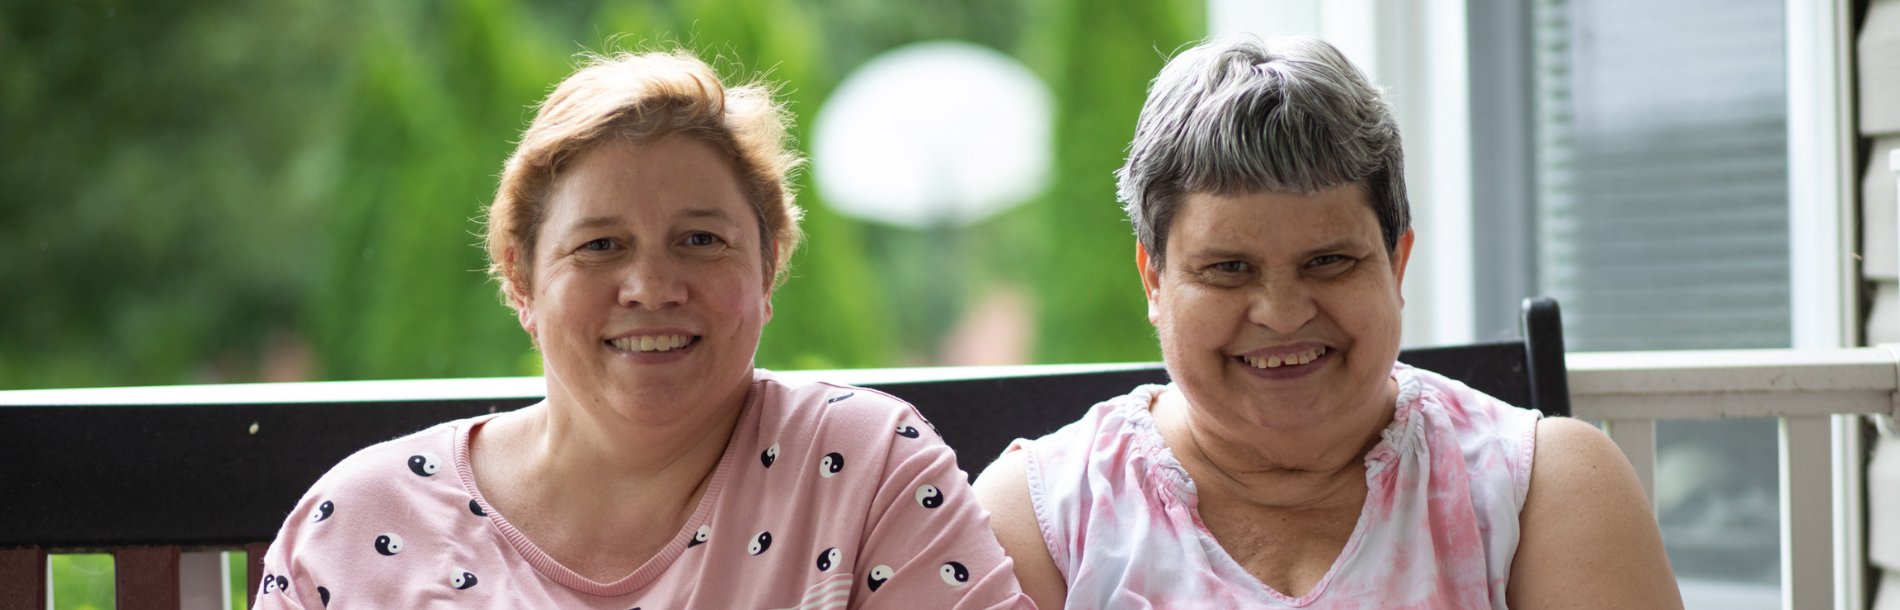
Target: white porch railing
{"x":1817,"y":394}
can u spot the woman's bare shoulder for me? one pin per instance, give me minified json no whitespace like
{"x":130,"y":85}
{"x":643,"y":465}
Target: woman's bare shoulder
{"x":1003,"y":490}
{"x":1588,"y":537}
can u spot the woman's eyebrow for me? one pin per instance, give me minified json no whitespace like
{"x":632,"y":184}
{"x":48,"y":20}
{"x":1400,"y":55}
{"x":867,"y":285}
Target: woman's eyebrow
{"x":1217,"y":252}
{"x":707,"y":212}
{"x":1327,"y":248}
{"x":1333,"y":247}
{"x":593,"y":222}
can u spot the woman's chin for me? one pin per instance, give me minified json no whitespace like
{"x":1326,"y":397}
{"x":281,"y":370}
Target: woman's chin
{"x":1279,"y":406}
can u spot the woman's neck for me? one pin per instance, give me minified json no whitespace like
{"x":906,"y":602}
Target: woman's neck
{"x":566,"y":474}
{"x":1273,"y":468}
{"x":573,"y":441}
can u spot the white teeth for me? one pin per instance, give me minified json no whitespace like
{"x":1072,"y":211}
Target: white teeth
{"x":1272,"y":362}
{"x":651,"y":343}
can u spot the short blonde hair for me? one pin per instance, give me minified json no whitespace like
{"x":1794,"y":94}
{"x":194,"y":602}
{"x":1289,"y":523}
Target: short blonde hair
{"x":641,"y":97}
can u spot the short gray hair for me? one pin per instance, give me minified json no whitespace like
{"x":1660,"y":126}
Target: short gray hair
{"x":1235,"y":116}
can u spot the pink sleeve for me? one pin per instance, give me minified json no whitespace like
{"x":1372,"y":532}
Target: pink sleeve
{"x":357,"y":509}
{"x":927,"y":543}
{"x":275,"y":588}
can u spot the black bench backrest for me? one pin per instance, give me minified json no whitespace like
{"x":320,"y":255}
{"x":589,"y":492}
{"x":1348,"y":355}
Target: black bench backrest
{"x":78,"y":477}
{"x":979,"y":417}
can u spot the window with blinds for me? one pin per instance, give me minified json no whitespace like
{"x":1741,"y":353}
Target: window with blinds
{"x":1661,"y":173}
{"x":1660,"y":210}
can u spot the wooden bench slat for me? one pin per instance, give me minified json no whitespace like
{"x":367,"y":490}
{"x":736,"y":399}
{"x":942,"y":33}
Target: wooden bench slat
{"x":146,"y":577}
{"x":254,"y":573}
{"x":201,"y":581}
{"x":22,"y":579}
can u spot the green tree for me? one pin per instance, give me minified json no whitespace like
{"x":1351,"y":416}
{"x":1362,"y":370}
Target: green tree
{"x":1099,"y":57}
{"x":151,"y":228}
{"x":201,"y":190}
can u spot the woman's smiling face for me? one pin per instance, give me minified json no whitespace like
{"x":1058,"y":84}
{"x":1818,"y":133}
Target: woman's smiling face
{"x":1277,"y":310}
{"x":649,"y":289}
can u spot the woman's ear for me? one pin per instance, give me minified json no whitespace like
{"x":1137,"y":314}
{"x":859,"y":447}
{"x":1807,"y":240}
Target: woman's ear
{"x":780,"y":258}
{"x":768,"y":304}
{"x":1150,"y":281}
{"x":517,"y":298}
{"x":524,"y":311}
{"x":1402,"y":254}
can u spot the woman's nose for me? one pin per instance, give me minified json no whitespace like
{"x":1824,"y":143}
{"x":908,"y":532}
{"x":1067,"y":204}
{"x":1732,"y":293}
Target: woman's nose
{"x":652,"y":284}
{"x":1282,"y":306}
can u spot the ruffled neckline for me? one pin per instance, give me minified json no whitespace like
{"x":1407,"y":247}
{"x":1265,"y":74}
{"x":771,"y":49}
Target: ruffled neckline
{"x":1398,"y":438}
{"x":1167,"y":477}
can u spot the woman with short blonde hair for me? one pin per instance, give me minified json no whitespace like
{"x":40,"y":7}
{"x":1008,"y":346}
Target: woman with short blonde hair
{"x":638,"y":232}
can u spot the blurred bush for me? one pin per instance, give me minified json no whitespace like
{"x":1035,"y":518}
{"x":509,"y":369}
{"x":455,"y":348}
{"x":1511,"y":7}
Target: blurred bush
{"x":214,"y":190}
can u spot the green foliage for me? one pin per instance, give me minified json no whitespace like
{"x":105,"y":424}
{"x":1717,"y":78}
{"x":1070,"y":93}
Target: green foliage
{"x":83,"y":582}
{"x":147,"y":228}
{"x":400,"y":291}
{"x":229,"y":191}
{"x":1092,"y":308}
{"x":236,"y":564}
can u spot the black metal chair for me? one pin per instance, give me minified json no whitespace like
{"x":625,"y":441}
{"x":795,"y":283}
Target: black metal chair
{"x":979,"y":417}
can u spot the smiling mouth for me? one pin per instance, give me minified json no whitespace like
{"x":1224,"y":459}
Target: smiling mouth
{"x":653,"y":343}
{"x":1294,"y":359}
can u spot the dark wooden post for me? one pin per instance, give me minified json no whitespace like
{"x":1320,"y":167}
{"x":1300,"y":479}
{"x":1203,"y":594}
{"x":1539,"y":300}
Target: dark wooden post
{"x":254,"y":573}
{"x":22,"y":579}
{"x":146,"y":577}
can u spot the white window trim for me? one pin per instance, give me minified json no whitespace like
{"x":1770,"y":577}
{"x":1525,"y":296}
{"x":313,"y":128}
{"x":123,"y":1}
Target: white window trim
{"x":1821,"y":216}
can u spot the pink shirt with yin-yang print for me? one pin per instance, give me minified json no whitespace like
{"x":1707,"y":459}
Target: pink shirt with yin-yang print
{"x":1439,"y":527}
{"x":827,"y":496}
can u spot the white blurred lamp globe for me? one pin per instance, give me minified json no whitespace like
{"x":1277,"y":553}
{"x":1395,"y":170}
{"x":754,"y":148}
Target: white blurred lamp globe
{"x":933,"y":134}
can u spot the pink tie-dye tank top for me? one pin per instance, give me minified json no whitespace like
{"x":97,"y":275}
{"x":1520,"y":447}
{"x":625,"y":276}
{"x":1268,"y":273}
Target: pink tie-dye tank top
{"x":1439,"y":527}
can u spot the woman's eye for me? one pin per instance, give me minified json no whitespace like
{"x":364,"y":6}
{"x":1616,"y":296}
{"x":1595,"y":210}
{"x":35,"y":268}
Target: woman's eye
{"x":1325,"y":260}
{"x":599,"y":245}
{"x":702,"y":239}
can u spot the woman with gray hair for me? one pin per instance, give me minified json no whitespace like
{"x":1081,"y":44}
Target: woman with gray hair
{"x":1294,"y":462}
